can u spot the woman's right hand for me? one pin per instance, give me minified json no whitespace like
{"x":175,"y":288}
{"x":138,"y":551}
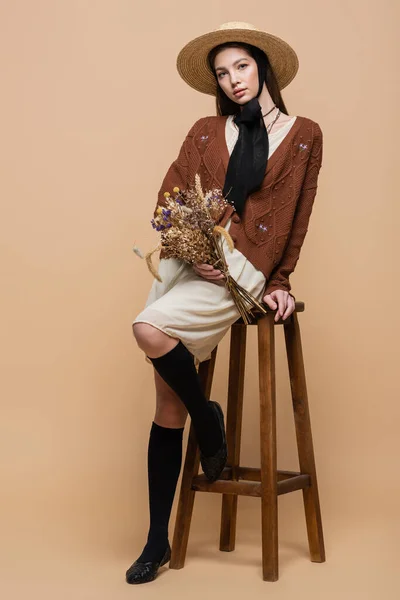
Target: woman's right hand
{"x":208,"y":272}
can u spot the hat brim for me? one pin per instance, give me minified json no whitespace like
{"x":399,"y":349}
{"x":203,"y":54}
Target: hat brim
{"x":193,"y":66}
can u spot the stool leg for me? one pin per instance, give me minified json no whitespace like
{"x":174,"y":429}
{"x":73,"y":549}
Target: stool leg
{"x":237,"y":357}
{"x":269,"y":485}
{"x":304,"y":438}
{"x":190,"y":470}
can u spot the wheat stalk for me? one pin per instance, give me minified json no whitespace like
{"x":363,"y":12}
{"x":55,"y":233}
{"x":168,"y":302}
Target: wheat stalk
{"x":198,"y":188}
{"x":228,"y":239}
{"x":150,"y":263}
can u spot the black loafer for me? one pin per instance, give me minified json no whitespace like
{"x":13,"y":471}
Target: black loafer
{"x":214,"y":465}
{"x":142,"y":572}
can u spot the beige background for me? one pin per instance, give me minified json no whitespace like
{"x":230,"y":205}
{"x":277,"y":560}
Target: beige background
{"x":92,"y":113}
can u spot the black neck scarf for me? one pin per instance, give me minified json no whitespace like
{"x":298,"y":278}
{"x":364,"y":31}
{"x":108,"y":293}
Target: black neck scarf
{"x":249,"y":158}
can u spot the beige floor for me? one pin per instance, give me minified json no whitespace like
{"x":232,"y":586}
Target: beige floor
{"x":67,"y":561}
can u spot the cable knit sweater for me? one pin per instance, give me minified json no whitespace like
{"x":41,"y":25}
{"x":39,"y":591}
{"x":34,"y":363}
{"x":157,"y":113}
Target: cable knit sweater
{"x":275,"y":219}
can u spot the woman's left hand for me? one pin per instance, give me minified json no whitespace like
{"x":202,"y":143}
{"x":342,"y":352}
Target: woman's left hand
{"x":281,"y":299}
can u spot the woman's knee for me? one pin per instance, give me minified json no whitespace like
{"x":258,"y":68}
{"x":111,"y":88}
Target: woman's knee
{"x":142,"y":331}
{"x":151,"y":340}
{"x":146,"y":334}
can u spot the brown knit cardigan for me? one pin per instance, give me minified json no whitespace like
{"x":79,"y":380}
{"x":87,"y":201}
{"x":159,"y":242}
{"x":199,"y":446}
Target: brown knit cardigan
{"x":275,"y":218}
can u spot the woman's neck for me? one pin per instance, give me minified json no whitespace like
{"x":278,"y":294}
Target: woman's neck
{"x":267,"y":106}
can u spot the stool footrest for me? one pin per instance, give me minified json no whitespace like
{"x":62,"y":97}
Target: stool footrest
{"x":247,"y":482}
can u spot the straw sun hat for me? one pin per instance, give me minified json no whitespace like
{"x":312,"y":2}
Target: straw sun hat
{"x":192,"y":62}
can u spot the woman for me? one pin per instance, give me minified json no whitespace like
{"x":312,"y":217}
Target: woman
{"x":267,"y":164}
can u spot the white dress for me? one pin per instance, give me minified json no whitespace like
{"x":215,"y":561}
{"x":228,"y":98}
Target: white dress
{"x":187,"y":306}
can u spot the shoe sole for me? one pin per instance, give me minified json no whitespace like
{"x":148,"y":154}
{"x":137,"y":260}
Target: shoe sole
{"x":166,"y":558}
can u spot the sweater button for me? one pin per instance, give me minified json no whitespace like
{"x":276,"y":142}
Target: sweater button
{"x":236,"y":219}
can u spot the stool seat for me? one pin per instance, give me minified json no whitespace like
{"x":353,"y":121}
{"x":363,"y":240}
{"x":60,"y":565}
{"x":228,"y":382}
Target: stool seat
{"x":299,"y":307}
{"x":266,"y":482}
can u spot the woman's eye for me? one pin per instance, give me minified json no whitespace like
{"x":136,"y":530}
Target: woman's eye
{"x":223,"y":72}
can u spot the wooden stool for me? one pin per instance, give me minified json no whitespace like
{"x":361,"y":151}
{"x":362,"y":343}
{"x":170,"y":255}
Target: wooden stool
{"x":267,"y":482}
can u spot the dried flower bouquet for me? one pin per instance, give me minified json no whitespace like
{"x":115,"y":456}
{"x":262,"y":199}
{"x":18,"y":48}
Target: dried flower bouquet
{"x":189,"y":232}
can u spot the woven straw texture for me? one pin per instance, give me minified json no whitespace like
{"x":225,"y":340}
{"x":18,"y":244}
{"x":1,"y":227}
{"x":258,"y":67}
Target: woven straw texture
{"x":192,"y":62}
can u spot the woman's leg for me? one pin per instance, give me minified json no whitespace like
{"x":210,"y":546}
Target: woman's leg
{"x":175,"y":364}
{"x":170,"y":410}
{"x":164,"y":463}
{"x":178,"y":392}
{"x":152,"y":341}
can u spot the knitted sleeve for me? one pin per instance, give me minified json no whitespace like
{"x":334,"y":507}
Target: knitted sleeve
{"x":279,"y":277}
{"x":177,"y":174}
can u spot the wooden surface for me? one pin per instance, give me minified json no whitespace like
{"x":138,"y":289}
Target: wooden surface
{"x":267,"y":482}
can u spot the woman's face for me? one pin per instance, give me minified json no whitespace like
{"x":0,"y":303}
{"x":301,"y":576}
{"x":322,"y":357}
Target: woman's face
{"x":237,"y":71}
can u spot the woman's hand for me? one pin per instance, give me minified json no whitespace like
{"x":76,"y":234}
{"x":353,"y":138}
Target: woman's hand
{"x":208,"y":272}
{"x":284,"y":301}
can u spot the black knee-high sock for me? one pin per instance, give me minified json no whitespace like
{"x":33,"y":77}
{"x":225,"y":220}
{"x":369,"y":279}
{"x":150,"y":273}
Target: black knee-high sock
{"x":164,"y":460}
{"x":178,"y":370}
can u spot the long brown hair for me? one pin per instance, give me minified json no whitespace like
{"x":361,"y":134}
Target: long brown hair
{"x":226,"y":106}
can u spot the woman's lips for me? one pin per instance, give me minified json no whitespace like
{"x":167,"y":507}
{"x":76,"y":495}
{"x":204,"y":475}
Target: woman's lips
{"x":239,"y":93}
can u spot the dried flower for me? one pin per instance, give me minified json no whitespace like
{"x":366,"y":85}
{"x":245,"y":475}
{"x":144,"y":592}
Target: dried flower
{"x":137,"y":251}
{"x":189,"y":231}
